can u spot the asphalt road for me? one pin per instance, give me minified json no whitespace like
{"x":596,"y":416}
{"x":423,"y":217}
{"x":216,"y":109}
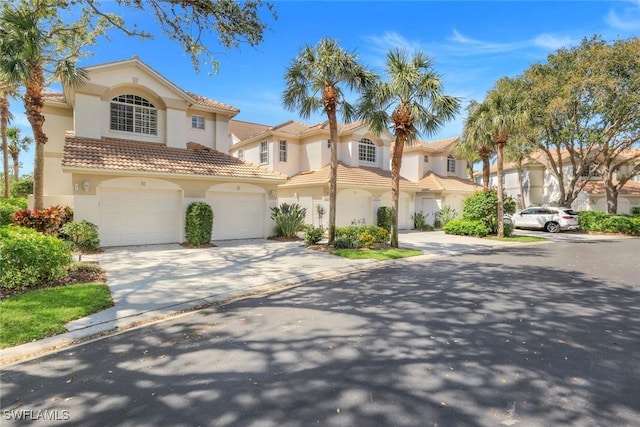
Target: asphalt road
{"x":540,"y":335}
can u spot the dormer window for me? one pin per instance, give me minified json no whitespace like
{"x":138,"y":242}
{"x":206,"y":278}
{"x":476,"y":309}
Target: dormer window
{"x":367,"y":151}
{"x":451,"y":164}
{"x":197,"y":122}
{"x":132,"y":113}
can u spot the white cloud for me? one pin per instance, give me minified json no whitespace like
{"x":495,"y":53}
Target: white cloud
{"x":628,"y":19}
{"x":392,"y":40}
{"x":550,"y":42}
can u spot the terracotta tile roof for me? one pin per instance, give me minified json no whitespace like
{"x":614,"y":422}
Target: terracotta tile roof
{"x":439,"y":145}
{"x":349,"y":175}
{"x":435,"y":182}
{"x":245,"y":130}
{"x":54,"y":96}
{"x":208,"y":102}
{"x":630,"y":188}
{"x":109,"y":154}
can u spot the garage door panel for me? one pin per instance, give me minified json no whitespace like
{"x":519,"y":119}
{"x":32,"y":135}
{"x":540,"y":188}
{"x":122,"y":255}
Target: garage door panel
{"x":237,"y":215}
{"x":131,"y":217}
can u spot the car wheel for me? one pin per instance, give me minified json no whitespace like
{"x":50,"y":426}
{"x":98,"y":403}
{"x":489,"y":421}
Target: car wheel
{"x":552,"y":227}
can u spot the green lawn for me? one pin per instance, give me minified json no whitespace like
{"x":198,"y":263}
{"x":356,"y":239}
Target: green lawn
{"x":377,"y":254}
{"x":44,"y":312}
{"x":520,"y":239}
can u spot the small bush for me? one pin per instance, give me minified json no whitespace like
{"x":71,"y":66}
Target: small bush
{"x":420,"y":222}
{"x":508,"y":229}
{"x":465,"y":227}
{"x":446,"y":214}
{"x":198,"y":223}
{"x":601,"y":222}
{"x":8,"y":207}
{"x":347,"y":242}
{"x":48,"y":221}
{"x":384,"y":217}
{"x":313,"y":235}
{"x":289,"y":219}
{"x":83,"y":236}
{"x":29,"y":258}
{"x":22,"y":188}
{"x":483,"y":206}
{"x":635,"y":210}
{"x":364,"y":235}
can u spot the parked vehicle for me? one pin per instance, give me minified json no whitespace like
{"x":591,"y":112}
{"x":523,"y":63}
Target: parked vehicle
{"x":551,"y":219}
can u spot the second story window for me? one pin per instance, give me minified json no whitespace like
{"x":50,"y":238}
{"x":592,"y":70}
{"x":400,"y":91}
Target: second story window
{"x":367,"y":151}
{"x":283,"y":150}
{"x":264,"y":152}
{"x":241,"y":154}
{"x":132,"y":113}
{"x":197,"y":122}
{"x":451,"y":164}
{"x":426,"y":158}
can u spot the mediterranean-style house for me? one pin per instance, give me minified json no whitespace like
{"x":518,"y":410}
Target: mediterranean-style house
{"x":431,"y":177}
{"x":541,"y":187}
{"x":129,"y":151}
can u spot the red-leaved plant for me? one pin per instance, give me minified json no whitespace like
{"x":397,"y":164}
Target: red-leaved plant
{"x":49,"y":220}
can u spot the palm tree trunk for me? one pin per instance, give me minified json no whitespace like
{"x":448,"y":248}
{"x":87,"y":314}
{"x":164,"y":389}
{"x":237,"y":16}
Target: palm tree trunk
{"x":486,"y":172}
{"x":396,"y":164}
{"x":16,"y":165}
{"x":4,"y":118}
{"x":520,"y":184}
{"x":500,"y":148}
{"x":333,"y":178}
{"x":33,"y":104}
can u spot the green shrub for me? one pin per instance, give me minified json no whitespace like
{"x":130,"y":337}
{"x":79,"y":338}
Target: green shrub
{"x":384,"y":217}
{"x":83,"y":236}
{"x":466,"y":227}
{"x":508,"y":229}
{"x":313,"y":235}
{"x":48,"y":221}
{"x":8,"y":207}
{"x":198,"y":223}
{"x":22,"y":188}
{"x":635,"y":210}
{"x":363,"y":235}
{"x":347,"y":242}
{"x":29,"y":258}
{"x":601,"y":222}
{"x":289,"y":219}
{"x":483,"y":206}
{"x":446,"y":214}
{"x":420,"y":222}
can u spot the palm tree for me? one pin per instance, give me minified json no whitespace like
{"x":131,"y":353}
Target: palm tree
{"x":410,"y":103}
{"x":6,"y":90}
{"x":35,"y":44}
{"x":502,"y":115}
{"x":16,"y":145}
{"x":314,"y":81}
{"x":476,"y":146}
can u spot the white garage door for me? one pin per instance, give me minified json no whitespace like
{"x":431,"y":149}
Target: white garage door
{"x":237,"y":215}
{"x":353,"y":206}
{"x":134,"y":217}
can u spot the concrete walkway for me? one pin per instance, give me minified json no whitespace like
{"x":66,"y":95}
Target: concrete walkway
{"x":153,"y":282}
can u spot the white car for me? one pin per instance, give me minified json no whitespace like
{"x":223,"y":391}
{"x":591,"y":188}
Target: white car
{"x":551,"y":219}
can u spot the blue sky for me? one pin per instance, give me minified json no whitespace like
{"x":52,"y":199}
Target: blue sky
{"x":473,"y":44}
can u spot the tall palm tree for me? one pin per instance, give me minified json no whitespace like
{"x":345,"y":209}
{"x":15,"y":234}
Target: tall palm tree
{"x":34,"y":45}
{"x":410,"y":103}
{"x":503,"y":114}
{"x":16,"y":145}
{"x":476,"y":146}
{"x":314,"y":82}
{"x":6,"y":90}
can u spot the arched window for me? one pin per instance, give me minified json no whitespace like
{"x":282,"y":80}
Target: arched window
{"x":132,"y":113}
{"x":367,"y":151}
{"x":451,"y":164}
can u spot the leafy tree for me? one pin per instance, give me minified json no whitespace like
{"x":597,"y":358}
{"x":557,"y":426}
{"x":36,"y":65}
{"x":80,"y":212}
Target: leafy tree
{"x":411,"y":102}
{"x":314,"y":82}
{"x":502,"y":115}
{"x":16,"y":145}
{"x":189,"y":22}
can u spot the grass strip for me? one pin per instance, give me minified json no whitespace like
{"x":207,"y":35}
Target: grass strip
{"x":377,"y":254}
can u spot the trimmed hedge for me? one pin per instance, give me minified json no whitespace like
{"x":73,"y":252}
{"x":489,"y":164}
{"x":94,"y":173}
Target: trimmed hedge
{"x":29,"y":258}
{"x":466,"y":227}
{"x":198,"y":224}
{"x":601,"y":222}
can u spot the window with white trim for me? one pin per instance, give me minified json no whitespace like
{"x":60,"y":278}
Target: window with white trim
{"x":451,"y":164}
{"x":133,"y":113}
{"x":283,"y":150}
{"x":264,"y":152}
{"x":197,"y":122}
{"x":367,"y":151}
{"x":241,"y":154}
